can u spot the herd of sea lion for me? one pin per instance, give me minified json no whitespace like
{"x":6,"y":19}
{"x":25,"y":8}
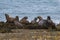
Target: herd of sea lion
{"x":43,"y":23}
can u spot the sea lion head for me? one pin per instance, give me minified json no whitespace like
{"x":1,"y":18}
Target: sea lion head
{"x":6,"y":15}
{"x":25,"y":17}
{"x":35,"y":18}
{"x":39,"y":17}
{"x":48,"y":18}
{"x":17,"y":18}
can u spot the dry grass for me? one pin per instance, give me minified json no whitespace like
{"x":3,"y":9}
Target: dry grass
{"x":34,"y":34}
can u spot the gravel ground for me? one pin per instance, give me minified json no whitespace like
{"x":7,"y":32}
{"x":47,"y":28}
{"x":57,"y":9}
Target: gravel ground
{"x":33,"y":34}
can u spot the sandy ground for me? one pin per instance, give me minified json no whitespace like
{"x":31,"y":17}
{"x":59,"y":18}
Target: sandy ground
{"x":26,"y":34}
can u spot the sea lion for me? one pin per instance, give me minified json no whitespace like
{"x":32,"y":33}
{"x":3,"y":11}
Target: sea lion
{"x":50,"y":23}
{"x":17,"y":23}
{"x":24,"y":20}
{"x":9,"y":19}
{"x":34,"y":21}
{"x":17,"y":18}
{"x":13,"y":20}
{"x":40,"y":18}
{"x":42,"y":23}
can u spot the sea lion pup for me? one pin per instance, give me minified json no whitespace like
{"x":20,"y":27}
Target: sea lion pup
{"x":34,"y":21}
{"x":24,"y":20}
{"x":42,"y":23}
{"x":50,"y":23}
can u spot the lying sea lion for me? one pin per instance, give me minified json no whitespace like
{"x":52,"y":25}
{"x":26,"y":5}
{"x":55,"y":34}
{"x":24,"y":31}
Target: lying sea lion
{"x":50,"y":22}
{"x":24,"y":20}
{"x":42,"y":23}
{"x":40,"y":18}
{"x":17,"y":23}
{"x":34,"y":21}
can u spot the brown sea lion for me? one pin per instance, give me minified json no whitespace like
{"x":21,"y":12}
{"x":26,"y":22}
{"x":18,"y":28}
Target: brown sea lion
{"x":24,"y":20}
{"x":13,"y":20}
{"x":9,"y":19}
